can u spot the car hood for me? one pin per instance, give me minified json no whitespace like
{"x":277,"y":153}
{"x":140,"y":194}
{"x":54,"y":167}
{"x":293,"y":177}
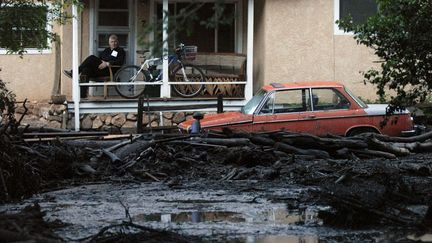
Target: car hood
{"x":380,"y":109}
{"x":217,"y":120}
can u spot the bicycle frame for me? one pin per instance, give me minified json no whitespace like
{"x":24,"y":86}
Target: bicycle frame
{"x":146,"y":65}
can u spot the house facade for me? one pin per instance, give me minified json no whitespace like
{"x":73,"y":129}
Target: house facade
{"x":286,"y":41}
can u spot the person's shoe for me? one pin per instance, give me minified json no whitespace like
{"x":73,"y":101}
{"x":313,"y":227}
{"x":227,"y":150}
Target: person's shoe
{"x":68,"y":73}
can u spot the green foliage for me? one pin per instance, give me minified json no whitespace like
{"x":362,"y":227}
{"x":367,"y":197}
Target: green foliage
{"x":7,"y":104}
{"x":23,"y":23}
{"x":401,"y":34}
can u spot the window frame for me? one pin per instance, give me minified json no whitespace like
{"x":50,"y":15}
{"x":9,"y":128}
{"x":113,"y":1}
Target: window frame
{"x":336,"y":17}
{"x":33,"y":51}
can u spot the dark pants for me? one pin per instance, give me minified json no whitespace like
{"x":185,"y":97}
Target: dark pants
{"x":90,"y":68}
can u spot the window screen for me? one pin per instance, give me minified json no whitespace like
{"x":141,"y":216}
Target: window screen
{"x":359,"y":10}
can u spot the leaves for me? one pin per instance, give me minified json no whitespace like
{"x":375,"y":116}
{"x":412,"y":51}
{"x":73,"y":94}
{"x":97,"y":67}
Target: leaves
{"x":401,"y":36}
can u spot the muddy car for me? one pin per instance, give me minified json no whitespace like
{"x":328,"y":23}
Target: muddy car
{"x":319,"y":108}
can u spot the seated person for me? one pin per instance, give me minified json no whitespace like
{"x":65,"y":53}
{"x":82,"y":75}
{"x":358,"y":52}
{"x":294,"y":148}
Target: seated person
{"x":94,"y":66}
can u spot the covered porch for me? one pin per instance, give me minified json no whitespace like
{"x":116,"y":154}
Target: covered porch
{"x":227,"y":66}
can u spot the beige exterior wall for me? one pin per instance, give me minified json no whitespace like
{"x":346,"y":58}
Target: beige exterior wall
{"x":295,"y":41}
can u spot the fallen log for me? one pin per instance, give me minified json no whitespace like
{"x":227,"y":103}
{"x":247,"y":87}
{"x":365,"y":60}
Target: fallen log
{"x":293,"y":150}
{"x":376,"y":144}
{"x":373,"y":153}
{"x":419,"y":138}
{"x":229,"y":142}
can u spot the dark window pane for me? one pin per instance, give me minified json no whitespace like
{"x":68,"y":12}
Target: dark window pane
{"x":360,"y":10}
{"x":226,"y":35}
{"x":113,"y":19}
{"x":113,"y":4}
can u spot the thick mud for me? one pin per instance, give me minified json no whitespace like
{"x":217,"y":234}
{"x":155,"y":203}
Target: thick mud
{"x":241,"y":211}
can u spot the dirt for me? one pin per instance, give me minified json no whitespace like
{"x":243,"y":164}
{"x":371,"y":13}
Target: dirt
{"x":190,"y":192}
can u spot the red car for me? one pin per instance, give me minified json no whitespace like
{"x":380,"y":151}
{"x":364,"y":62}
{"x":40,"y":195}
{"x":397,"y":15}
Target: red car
{"x":319,"y":108}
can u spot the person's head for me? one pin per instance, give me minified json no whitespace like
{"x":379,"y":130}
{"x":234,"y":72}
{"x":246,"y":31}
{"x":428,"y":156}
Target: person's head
{"x":113,"y":41}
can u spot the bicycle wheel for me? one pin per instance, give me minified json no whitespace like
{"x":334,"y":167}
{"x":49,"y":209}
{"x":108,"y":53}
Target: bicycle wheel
{"x":193,"y":74}
{"x":129,"y":74}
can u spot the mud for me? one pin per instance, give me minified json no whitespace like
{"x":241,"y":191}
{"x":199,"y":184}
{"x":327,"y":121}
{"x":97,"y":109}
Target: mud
{"x":202,"y":192}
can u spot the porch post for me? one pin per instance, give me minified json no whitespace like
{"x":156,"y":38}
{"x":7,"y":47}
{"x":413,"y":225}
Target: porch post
{"x":165,"y":88}
{"x":75,"y":75}
{"x":250,"y":48}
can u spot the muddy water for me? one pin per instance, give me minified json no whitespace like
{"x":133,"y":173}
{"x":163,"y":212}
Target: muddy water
{"x":241,"y":211}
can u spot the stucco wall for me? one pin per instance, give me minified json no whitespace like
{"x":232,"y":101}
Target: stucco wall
{"x":296,"y":41}
{"x":28,"y":77}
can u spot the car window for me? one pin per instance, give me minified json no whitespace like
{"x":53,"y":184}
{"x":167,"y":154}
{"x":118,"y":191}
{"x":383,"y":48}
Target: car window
{"x":328,"y":99}
{"x":250,"y":107}
{"x":286,"y":101}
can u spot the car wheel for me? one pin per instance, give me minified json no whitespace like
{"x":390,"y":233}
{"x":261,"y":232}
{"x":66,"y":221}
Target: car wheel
{"x":360,"y":130}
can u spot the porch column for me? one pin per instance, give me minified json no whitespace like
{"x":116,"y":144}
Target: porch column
{"x":75,"y":75}
{"x":165,"y":87}
{"x":250,"y":48}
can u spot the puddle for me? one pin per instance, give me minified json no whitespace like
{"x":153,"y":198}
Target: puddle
{"x":216,"y":213}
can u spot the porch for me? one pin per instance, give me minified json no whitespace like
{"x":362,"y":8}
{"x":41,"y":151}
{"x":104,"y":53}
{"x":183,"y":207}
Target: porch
{"x":228,"y":74}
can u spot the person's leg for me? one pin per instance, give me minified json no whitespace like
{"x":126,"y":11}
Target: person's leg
{"x":90,"y":66}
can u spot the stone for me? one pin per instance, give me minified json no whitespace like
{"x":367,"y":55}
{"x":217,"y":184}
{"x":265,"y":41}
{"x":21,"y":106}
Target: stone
{"x":97,"y":123}
{"x":147,"y":119}
{"x":155,"y":124}
{"x":179,"y":117}
{"x":129,"y":124}
{"x":54,"y":124}
{"x":57,"y":109}
{"x":54,"y":118}
{"x":119,"y":120}
{"x":86,"y":123}
{"x":103,"y":117}
{"x":168,"y":115}
{"x":108,"y":120}
{"x":44,"y":112}
{"x":20,"y":110}
{"x":167,"y":122}
{"x":131,"y":117}
{"x":71,"y":123}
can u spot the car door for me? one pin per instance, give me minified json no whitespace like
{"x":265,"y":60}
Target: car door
{"x":282,"y":110}
{"x":332,"y":111}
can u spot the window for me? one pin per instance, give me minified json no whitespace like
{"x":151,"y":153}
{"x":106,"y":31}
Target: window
{"x":359,"y":10}
{"x":328,"y":99}
{"x":286,"y":101}
{"x":220,"y":38}
{"x":24,"y":26}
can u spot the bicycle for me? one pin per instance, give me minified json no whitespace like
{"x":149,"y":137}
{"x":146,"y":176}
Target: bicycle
{"x":149,"y":72}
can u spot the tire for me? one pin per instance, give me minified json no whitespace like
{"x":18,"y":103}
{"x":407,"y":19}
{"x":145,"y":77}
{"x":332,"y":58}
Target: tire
{"x":127,"y":74}
{"x":360,"y":130}
{"x":193,"y":74}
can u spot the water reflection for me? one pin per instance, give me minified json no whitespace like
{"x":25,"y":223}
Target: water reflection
{"x":274,"y":216}
{"x":283,"y":239}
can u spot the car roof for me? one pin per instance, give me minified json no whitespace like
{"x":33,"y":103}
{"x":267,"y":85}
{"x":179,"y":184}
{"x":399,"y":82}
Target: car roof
{"x":301,"y":84}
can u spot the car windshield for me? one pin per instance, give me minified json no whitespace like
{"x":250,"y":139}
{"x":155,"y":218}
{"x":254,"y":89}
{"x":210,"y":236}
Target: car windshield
{"x":358,"y":100}
{"x":251,"y":106}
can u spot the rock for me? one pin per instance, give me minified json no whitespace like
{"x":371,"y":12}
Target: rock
{"x":119,"y":120}
{"x":167,"y":122}
{"x":129,"y":124}
{"x":103,"y":117}
{"x":20,"y":110}
{"x":155,"y":124}
{"x":108,"y":120}
{"x":131,"y":117}
{"x":86,"y":123}
{"x":168,"y":115}
{"x":71,"y":123}
{"x":57,"y":109}
{"x":179,"y":117}
{"x":97,"y":123}
{"x":54,"y":118}
{"x":146,"y":120}
{"x":54,"y":124}
{"x":44,"y":112}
